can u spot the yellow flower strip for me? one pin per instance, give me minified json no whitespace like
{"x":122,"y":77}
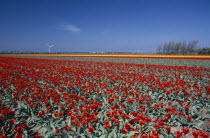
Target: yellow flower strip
{"x":113,"y":55}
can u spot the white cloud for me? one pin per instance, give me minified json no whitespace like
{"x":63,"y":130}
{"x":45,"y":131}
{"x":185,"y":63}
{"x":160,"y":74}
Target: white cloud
{"x":71,"y":28}
{"x":68,"y":27}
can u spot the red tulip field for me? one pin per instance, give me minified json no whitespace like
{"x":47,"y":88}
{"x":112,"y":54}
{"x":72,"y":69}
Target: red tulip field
{"x":57,"y":97}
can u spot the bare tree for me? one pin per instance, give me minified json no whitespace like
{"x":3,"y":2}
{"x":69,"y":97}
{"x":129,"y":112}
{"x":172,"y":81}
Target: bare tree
{"x":159,"y":49}
{"x":171,"y":46}
{"x":192,"y":46}
{"x":182,"y":47}
{"x":177,"y":47}
{"x":165,"y":48}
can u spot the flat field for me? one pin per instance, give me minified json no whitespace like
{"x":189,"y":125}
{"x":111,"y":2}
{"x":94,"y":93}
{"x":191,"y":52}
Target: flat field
{"x":105,"y":96}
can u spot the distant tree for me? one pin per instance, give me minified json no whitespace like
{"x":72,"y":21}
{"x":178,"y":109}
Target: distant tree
{"x":204,"y":51}
{"x":182,"y":47}
{"x":191,"y":46}
{"x":171,"y":47}
{"x":168,"y":47}
{"x":177,"y":47}
{"x":165,"y":48}
{"x":159,"y":49}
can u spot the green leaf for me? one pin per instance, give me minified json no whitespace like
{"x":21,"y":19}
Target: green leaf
{"x":102,"y":136}
{"x":22,"y":106}
{"x":131,"y":133}
{"x":36,"y":128}
{"x":199,"y":125}
{"x":111,"y":135}
{"x":161,"y":136}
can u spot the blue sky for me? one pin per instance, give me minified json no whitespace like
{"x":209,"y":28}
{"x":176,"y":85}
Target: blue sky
{"x":101,"y":25}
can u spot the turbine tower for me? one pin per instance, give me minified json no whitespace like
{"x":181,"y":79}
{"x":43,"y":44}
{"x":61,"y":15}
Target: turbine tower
{"x":49,"y":46}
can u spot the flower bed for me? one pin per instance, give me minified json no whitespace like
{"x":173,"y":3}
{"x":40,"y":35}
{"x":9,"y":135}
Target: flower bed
{"x":60,"y":98}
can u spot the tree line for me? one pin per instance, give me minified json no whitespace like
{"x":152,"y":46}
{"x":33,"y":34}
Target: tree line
{"x":182,"y":47}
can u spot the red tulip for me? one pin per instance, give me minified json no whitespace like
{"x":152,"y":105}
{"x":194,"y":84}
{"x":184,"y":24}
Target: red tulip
{"x":57,"y":130}
{"x":11,"y":121}
{"x":5,"y":111}
{"x":124,"y":130}
{"x":196,"y":133}
{"x":189,"y":118}
{"x":178,"y":134}
{"x":90,"y":129}
{"x":17,"y":129}
{"x":168,"y":128}
{"x":185,"y":130}
{"x":20,"y":135}
{"x":66,"y":127}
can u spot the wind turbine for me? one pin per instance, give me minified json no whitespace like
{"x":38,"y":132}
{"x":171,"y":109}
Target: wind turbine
{"x":49,"y":46}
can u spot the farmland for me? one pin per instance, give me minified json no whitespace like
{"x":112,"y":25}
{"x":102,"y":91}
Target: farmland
{"x":109,"y":96}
